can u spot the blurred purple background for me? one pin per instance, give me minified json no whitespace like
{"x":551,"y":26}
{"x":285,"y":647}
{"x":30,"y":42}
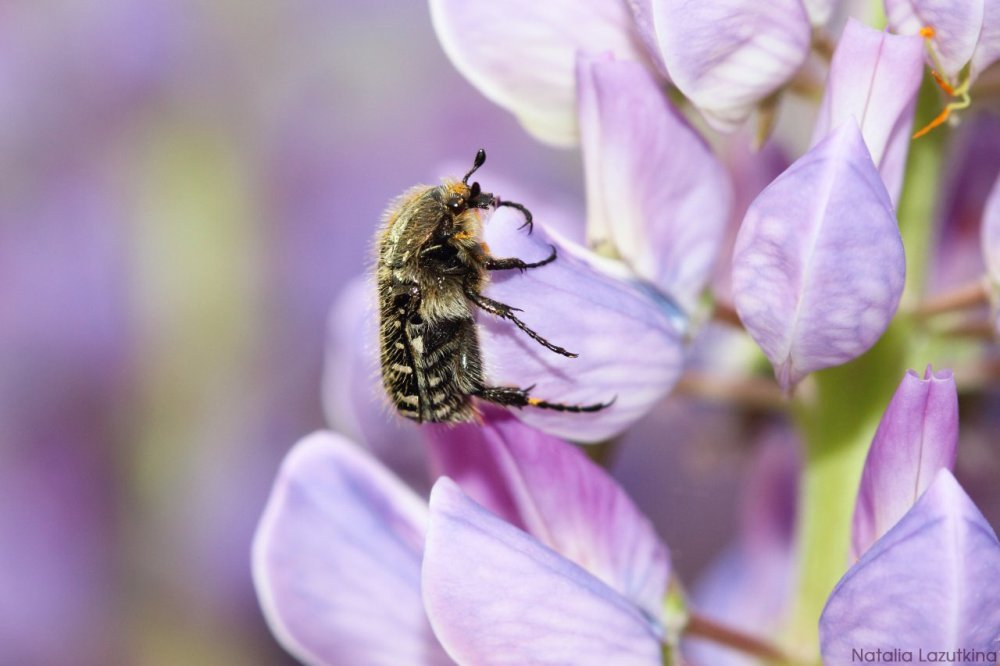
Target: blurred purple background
{"x":186,"y":186}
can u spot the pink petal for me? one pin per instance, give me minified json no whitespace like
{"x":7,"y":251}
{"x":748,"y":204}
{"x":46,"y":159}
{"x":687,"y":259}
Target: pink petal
{"x":988,"y":48}
{"x":336,"y":560}
{"x":918,"y":436}
{"x":819,"y":11}
{"x":728,"y":55}
{"x":818,"y":267}
{"x":520,"y":54}
{"x":956,"y":27}
{"x":560,"y":497}
{"x":645,"y":28}
{"x":494,"y":595}
{"x":655,"y":190}
{"x":629,"y":339}
{"x":932,"y":583}
{"x":874,"y":78}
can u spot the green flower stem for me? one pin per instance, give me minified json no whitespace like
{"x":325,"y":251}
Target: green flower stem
{"x":837,"y":429}
{"x":838,"y":420}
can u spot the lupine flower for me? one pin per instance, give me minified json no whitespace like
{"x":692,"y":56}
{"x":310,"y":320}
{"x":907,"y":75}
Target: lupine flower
{"x":931,"y":583}
{"x":874,"y":78}
{"x":917,"y":437}
{"x":727,"y":56}
{"x":336,"y":559}
{"x":496,"y":596}
{"x":818,"y":266}
{"x":338,"y":552}
{"x":551,"y":490}
{"x":959,"y":32}
{"x":655,"y":191}
{"x":928,"y":577}
{"x":538,"y":85}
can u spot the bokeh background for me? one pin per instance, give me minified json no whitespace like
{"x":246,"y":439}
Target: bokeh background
{"x":185,"y":187}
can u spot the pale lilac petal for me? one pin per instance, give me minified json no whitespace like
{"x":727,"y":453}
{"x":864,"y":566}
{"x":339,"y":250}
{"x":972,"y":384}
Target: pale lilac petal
{"x":520,"y":54}
{"x":728,"y":55}
{"x":918,"y":436}
{"x":931,"y":583}
{"x":874,"y":78}
{"x":956,"y":27}
{"x":818,"y":267}
{"x":559,"y":496}
{"x":336,"y":560}
{"x":990,"y":231}
{"x":645,"y":28}
{"x":819,"y":11}
{"x":495,"y":595}
{"x":629,"y":339}
{"x":988,"y":48}
{"x":656,"y":192}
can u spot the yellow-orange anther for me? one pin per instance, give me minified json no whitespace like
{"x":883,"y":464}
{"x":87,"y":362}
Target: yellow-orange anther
{"x":941,"y":118}
{"x":945,"y":86}
{"x":927,"y":32}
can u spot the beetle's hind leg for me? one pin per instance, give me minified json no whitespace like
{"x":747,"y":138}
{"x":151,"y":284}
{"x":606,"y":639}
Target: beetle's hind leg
{"x":527,"y":213}
{"x":509,"y":396}
{"x":507,"y":312}
{"x":497,"y":264}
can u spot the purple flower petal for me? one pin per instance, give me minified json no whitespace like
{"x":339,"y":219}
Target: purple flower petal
{"x":932,"y":583}
{"x":918,"y":436}
{"x":336,"y":560}
{"x":645,"y":28}
{"x":520,"y":54}
{"x":819,"y":11}
{"x":988,"y":48}
{"x":559,"y":496}
{"x":874,"y":78}
{"x":494,"y":595}
{"x":818,"y":267}
{"x":956,"y":27}
{"x":728,"y":55}
{"x":629,"y":340}
{"x":655,"y":190}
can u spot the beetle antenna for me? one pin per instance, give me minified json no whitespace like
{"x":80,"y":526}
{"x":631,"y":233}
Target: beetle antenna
{"x":480,"y":158}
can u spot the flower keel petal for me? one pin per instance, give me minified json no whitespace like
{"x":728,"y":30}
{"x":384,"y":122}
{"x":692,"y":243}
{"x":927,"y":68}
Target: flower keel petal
{"x":818,"y":266}
{"x":918,"y":436}
{"x":336,"y":560}
{"x":520,"y":54}
{"x":932,"y":583}
{"x":629,"y":339}
{"x":728,"y":55}
{"x":494,"y":595}
{"x":874,"y":78}
{"x":564,"y":500}
{"x":656,"y":191}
